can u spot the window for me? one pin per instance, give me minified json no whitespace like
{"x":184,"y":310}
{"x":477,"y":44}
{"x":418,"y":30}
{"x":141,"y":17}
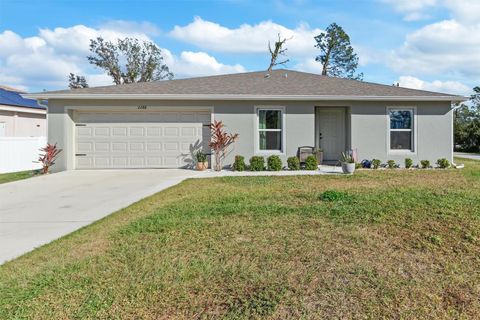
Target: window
{"x":270,"y":133}
{"x":401,"y":129}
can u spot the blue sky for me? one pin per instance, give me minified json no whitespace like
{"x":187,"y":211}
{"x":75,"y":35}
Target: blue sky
{"x":425,"y":44}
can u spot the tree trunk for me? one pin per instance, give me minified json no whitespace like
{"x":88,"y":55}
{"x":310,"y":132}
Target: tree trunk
{"x":218,"y":162}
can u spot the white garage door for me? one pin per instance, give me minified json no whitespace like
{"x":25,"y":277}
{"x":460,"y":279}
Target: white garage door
{"x":139,"y":139}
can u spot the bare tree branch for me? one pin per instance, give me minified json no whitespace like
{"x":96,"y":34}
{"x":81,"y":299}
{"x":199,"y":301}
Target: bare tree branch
{"x":278,"y":51}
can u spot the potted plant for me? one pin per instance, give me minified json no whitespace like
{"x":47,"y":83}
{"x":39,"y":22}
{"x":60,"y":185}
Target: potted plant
{"x":202,"y":162}
{"x":318,"y":152}
{"x":348,"y":163}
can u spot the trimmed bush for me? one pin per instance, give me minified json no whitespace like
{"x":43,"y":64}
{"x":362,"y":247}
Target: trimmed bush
{"x":443,"y":163}
{"x":257,"y":163}
{"x":408,"y":163}
{"x":391,"y":164}
{"x":293,"y":163}
{"x":425,"y":164}
{"x":311,"y":163}
{"x":274,"y":163}
{"x":376,"y":163}
{"x":239,"y":164}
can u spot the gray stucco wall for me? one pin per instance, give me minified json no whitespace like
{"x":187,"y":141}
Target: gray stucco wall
{"x":434,"y":130}
{"x":366,"y":126}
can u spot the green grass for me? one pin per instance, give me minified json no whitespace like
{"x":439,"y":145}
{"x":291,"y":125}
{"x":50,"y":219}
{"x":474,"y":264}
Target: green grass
{"x":378,"y":244}
{"x":14,"y":176}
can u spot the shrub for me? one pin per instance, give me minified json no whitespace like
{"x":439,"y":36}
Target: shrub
{"x":293,"y":163}
{"x":443,"y":163}
{"x":376,"y":163}
{"x":257,"y":163}
{"x":425,"y":164}
{"x":358,"y":165}
{"x":239,"y":164}
{"x":408,"y":163}
{"x":274,"y":163}
{"x":333,"y":195}
{"x":391,"y":164}
{"x":201,"y":157}
{"x":311,"y":163}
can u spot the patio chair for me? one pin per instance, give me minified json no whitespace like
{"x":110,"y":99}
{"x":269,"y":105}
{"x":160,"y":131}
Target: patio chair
{"x":303,"y":153}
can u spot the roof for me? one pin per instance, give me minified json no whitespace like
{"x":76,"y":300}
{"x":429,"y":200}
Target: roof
{"x":278,"y":85}
{"x":12,"y":97}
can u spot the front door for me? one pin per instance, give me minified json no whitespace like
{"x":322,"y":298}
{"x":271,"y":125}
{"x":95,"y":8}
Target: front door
{"x":331,"y":132}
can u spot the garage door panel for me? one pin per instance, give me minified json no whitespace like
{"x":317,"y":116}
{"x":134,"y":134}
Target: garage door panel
{"x":140,"y":140}
{"x":170,"y":132}
{"x":154,"y":132}
{"x":119,"y":132}
{"x":119,"y":162}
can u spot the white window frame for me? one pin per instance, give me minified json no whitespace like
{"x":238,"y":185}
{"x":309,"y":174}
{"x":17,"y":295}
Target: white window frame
{"x":257,"y":130}
{"x":413,"y":130}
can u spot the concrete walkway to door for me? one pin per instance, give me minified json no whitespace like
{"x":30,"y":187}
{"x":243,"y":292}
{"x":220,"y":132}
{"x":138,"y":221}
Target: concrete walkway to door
{"x":38,"y":210}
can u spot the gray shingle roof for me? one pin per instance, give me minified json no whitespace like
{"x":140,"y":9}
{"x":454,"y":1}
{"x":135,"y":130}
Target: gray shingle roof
{"x":278,"y":83}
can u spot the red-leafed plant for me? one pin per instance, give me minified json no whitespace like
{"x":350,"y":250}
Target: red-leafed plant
{"x":48,"y":157}
{"x":220,"y":141}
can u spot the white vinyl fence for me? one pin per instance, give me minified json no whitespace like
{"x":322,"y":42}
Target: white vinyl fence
{"x":20,"y":153}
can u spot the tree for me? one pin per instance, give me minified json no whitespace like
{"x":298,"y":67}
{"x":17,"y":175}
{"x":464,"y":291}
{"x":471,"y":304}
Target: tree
{"x":76,"y":81}
{"x":220,"y":141}
{"x":467,"y":124}
{"x":277,"y":51}
{"x":337,"y":55}
{"x":143,"y":60}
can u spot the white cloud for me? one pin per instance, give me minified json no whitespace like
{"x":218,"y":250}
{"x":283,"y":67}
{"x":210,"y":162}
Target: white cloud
{"x":446,"y":47}
{"x":465,"y":11}
{"x":45,"y":60}
{"x":246,"y":38}
{"x":412,"y":9}
{"x":452,"y":87}
{"x":198,"y":64}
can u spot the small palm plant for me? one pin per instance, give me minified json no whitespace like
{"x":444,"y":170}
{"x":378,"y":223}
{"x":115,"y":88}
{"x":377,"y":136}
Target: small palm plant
{"x":47,"y":159}
{"x":220,"y":141}
{"x":347,"y":158}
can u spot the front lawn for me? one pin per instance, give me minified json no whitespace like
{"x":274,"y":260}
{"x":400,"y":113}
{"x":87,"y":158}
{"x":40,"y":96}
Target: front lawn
{"x":379,"y":244}
{"x":14,"y":176}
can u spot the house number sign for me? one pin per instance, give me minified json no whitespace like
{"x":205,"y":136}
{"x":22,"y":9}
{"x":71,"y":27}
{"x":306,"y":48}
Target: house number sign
{"x":142,"y":107}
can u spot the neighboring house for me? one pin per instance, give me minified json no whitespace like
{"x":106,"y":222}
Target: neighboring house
{"x":21,"y":117}
{"x":160,"y":124}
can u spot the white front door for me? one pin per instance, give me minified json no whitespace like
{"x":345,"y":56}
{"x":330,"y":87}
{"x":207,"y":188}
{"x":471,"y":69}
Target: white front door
{"x":331,"y":132}
{"x":2,"y":129}
{"x":165,"y":139}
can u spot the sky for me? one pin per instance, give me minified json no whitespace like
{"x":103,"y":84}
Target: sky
{"x":422,"y":44}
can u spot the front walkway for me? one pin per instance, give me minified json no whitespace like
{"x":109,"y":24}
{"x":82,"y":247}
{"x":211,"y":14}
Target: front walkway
{"x":323,"y":169}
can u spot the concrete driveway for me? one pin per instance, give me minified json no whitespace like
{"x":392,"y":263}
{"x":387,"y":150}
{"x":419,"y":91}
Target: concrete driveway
{"x":38,"y":210}
{"x":473,"y":156}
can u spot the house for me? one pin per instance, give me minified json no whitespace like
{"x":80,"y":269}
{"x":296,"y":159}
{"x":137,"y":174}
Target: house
{"x":159,"y":124}
{"x":21,"y":117}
